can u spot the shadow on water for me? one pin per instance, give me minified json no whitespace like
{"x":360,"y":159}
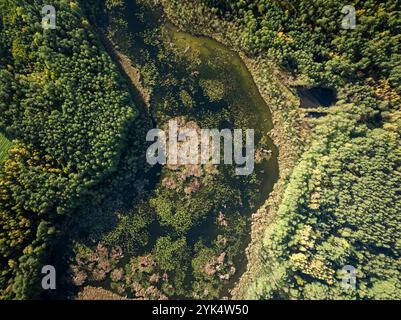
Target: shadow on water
{"x":316,"y":97}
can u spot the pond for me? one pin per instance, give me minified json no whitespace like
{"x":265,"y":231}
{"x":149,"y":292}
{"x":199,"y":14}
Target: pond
{"x":316,"y":97}
{"x":219,"y":62}
{"x":185,"y":233}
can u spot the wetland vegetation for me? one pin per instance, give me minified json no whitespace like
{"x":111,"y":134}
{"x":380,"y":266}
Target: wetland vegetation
{"x":77,"y":192}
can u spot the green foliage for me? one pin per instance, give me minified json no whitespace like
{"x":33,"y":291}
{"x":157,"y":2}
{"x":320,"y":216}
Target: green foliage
{"x":341,"y":205}
{"x":131,"y":231}
{"x":201,"y":203}
{"x":214,"y":89}
{"x":5,"y":145}
{"x":23,"y":239}
{"x":76,"y":133}
{"x":307,"y":37}
{"x":169,"y":254}
{"x":63,"y":99}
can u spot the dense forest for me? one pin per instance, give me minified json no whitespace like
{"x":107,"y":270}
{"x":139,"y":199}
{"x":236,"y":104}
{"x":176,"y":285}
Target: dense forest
{"x":76,"y":191}
{"x":341,"y":205}
{"x":69,"y":133}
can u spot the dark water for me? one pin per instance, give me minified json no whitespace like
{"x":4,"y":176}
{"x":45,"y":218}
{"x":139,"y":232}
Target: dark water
{"x":316,"y":97}
{"x":217,"y":62}
{"x":245,"y":98}
{"x":241,"y":107}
